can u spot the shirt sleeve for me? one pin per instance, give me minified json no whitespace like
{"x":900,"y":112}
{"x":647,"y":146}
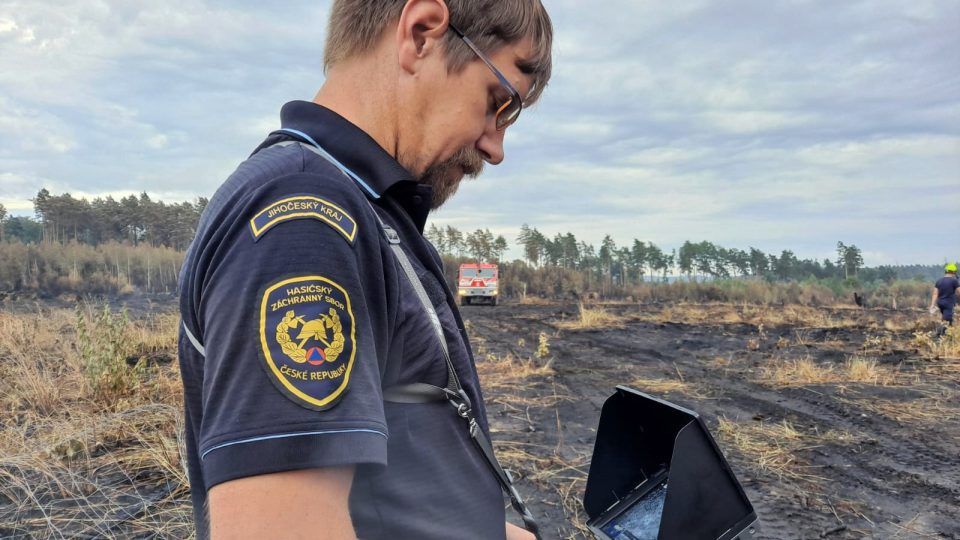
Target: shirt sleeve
{"x":291,"y":376}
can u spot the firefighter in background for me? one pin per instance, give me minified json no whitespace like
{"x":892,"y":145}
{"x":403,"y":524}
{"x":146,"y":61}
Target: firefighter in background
{"x":945,"y":297}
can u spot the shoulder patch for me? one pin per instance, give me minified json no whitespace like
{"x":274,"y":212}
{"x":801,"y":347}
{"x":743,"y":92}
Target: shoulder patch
{"x":308,"y":339}
{"x":303,"y":207}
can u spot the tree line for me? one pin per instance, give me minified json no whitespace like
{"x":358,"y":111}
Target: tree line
{"x":137,"y":219}
{"x":640,"y":261}
{"x":133,"y":219}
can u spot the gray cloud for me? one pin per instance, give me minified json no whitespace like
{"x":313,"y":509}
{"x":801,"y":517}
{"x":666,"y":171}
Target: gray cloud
{"x":778,"y":125}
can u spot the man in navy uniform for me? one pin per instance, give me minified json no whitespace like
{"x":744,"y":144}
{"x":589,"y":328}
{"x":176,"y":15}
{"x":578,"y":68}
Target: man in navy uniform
{"x":945,"y":297}
{"x":299,"y":310}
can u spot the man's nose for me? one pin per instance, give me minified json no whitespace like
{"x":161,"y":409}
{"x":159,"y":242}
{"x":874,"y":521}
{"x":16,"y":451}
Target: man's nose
{"x":490,"y":145}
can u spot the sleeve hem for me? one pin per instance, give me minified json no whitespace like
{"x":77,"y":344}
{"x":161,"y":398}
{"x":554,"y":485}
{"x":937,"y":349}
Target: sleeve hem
{"x":293,"y":451}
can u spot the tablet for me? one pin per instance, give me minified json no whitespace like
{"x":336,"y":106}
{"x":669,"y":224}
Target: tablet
{"x":636,"y":516}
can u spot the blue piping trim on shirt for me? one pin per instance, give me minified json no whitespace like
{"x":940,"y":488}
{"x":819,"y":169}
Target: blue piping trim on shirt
{"x":288,"y":435}
{"x":333,"y":160}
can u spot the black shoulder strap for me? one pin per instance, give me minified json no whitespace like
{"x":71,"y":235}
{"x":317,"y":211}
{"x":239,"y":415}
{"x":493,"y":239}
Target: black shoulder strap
{"x":453,"y":392}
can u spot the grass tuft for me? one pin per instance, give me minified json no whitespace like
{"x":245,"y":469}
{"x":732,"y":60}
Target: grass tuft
{"x":946,"y":346}
{"x":592,"y":319}
{"x":797,"y":372}
{"x":772,"y":448}
{"x":804,"y":371}
{"x":104,"y":348}
{"x":543,"y":346}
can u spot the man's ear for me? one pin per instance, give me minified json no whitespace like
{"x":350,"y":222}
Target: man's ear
{"x":420,"y":32}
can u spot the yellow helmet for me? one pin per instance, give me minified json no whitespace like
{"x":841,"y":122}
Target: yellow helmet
{"x":951,"y":267}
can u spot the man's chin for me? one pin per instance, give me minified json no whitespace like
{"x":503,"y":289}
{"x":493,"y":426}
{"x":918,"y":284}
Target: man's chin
{"x":446,"y":180}
{"x":458,"y":175}
{"x":443,"y":193}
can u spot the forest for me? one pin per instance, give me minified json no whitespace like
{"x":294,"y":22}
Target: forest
{"x":132,"y":219}
{"x":137,"y":244}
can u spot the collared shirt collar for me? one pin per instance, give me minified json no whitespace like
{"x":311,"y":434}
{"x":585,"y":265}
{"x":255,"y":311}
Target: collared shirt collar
{"x":361,"y":154}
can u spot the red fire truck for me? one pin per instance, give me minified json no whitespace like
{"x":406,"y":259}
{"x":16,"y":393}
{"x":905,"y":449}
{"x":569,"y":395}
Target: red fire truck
{"x":477,"y":282}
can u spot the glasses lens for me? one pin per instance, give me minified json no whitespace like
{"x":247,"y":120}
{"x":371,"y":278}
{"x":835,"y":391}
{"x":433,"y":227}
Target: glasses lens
{"x":508,"y":113}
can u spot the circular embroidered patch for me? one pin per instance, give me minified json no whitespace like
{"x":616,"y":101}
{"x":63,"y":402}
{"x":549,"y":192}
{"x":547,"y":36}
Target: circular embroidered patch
{"x":307,"y":337}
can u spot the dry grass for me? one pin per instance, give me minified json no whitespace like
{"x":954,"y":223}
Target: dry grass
{"x":769,"y":447}
{"x":730,"y":317}
{"x":668,"y":385}
{"x":800,"y":316}
{"x":550,"y":471}
{"x":805,"y":371}
{"x":72,"y":464}
{"x":36,"y":388}
{"x":543,"y":346}
{"x":944,"y":368}
{"x":877,"y":344}
{"x":797,"y":316}
{"x":774,"y":448}
{"x":507,"y":371}
{"x":912,"y":529}
{"x":796,"y":372}
{"x":77,"y":462}
{"x":867,"y":371}
{"x":531,"y":300}
{"x":721,"y":362}
{"x":119,"y":475}
{"x":156,"y":334}
{"x":946,"y":347}
{"x":902,"y":324}
{"x":756,"y":315}
{"x":933,"y":398}
{"x":660,"y":386}
{"x":592,"y":318}
{"x":511,"y":381}
{"x":930,"y":411}
{"x":517,"y":386}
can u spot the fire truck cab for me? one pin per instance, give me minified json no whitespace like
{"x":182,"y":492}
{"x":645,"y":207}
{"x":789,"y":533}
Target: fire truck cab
{"x":477,"y":282}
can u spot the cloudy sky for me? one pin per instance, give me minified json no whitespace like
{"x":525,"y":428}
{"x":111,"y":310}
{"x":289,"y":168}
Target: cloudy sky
{"x":785,"y":124}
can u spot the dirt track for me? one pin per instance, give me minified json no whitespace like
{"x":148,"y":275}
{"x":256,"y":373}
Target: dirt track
{"x":834,"y":460}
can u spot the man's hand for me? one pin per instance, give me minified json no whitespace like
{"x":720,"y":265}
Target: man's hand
{"x":289,"y":505}
{"x":516,"y":533}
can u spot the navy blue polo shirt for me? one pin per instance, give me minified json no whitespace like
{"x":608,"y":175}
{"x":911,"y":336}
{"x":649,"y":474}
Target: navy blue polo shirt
{"x":947,"y":290}
{"x":304,"y":315}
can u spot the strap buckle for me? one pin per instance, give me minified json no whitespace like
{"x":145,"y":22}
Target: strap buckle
{"x":461,"y":403}
{"x":392,"y":236}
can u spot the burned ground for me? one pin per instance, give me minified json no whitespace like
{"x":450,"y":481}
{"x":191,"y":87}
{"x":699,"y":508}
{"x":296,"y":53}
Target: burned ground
{"x":837,"y":422}
{"x":840,"y":423}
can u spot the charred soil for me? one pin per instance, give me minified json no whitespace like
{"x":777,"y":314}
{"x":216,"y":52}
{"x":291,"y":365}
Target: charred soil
{"x":838,"y":423}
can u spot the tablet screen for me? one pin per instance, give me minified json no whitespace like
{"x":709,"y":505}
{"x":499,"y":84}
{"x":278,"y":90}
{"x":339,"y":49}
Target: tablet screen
{"x":641,"y":521}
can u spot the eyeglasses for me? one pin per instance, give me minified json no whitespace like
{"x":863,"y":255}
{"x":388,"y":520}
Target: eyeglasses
{"x":509,"y":110}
